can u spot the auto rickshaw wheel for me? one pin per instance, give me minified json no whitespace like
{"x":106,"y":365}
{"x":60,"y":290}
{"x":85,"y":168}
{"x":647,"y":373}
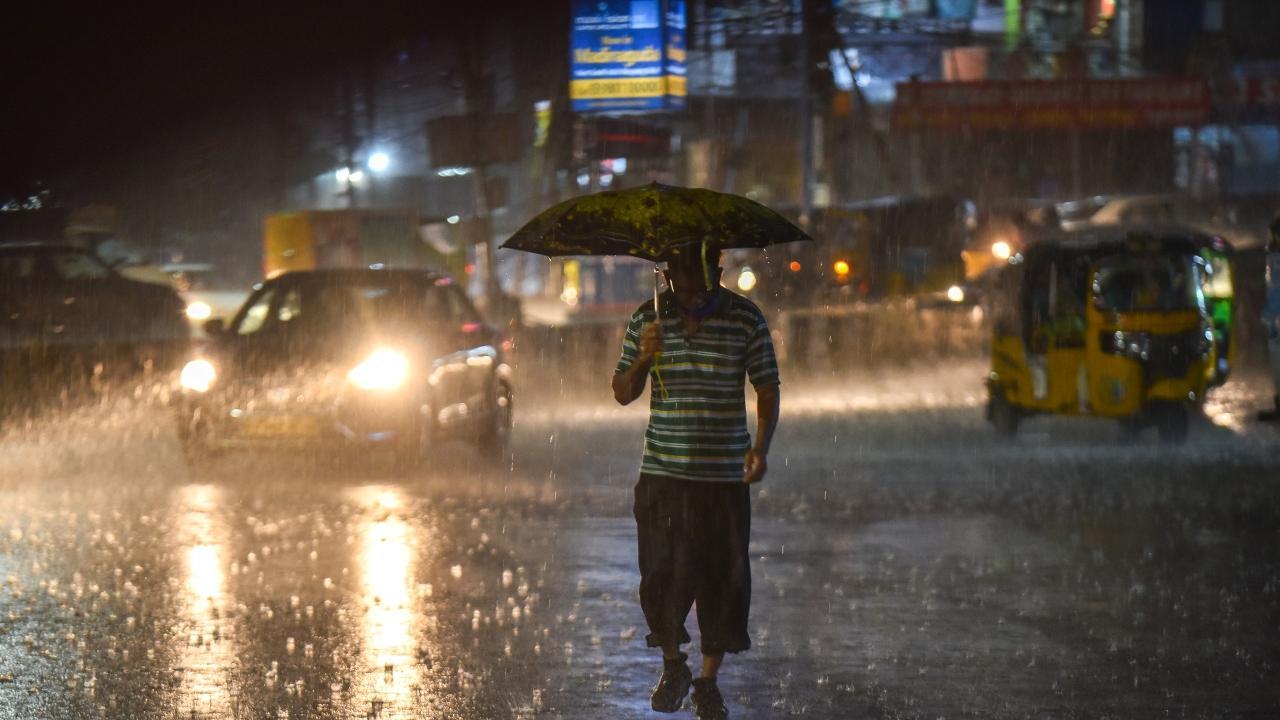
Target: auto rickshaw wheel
{"x":1172,"y":423}
{"x":1131,"y":428}
{"x":1004,"y":416}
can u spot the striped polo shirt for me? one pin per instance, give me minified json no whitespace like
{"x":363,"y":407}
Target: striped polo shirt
{"x":697,"y":401}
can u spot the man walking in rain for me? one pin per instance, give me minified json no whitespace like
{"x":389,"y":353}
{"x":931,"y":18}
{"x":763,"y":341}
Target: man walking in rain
{"x":692,"y":502}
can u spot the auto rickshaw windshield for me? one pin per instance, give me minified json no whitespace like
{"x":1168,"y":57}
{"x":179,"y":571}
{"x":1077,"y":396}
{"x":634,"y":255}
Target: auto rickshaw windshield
{"x":1147,"y":284}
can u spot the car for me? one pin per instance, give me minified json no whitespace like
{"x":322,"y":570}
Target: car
{"x":352,"y":359}
{"x":63,"y":308}
{"x":207,"y":295}
{"x":1230,"y":219}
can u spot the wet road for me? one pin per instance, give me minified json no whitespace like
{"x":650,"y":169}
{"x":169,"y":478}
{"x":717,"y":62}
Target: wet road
{"x":907,"y":563}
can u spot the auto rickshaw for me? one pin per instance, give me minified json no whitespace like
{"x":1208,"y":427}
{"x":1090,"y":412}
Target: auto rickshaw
{"x":1108,"y":324}
{"x":1219,"y":286}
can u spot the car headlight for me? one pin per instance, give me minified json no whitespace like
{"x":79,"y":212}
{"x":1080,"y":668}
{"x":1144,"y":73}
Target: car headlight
{"x":746,"y":279}
{"x":199,"y":310}
{"x":955,"y":294}
{"x":1001,"y":250}
{"x":198,"y":375}
{"x":384,"y":370}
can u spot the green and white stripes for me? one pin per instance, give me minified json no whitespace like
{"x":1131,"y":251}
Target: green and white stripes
{"x":698,"y":428}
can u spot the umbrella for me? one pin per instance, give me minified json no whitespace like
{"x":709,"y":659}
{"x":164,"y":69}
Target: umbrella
{"x":654,"y":222}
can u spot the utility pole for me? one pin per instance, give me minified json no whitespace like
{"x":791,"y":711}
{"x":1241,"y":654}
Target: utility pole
{"x":709,"y":103}
{"x":806,"y":115}
{"x":370,"y":122}
{"x":349,"y":141}
{"x":479,"y":95}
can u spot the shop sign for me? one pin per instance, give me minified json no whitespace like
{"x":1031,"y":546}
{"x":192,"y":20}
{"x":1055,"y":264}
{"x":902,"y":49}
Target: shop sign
{"x":1247,"y":99}
{"x":627,"y":55}
{"x":1052,"y":104}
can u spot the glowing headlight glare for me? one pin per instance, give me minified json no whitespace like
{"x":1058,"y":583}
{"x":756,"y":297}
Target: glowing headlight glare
{"x":199,"y":311}
{"x":198,"y":375}
{"x":955,"y":294}
{"x":1001,"y":250}
{"x":385,"y":369}
{"x":746,"y":280}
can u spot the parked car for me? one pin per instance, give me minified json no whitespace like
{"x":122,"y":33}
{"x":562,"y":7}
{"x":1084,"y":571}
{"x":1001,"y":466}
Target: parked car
{"x":349,"y":358}
{"x":1231,"y":219}
{"x":64,"y":309}
{"x":206,"y":293}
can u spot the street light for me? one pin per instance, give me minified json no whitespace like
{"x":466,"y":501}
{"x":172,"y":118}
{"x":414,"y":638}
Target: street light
{"x":379,"y":161}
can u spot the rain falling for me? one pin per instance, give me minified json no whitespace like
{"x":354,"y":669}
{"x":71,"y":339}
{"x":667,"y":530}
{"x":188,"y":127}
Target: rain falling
{"x":911,"y":358}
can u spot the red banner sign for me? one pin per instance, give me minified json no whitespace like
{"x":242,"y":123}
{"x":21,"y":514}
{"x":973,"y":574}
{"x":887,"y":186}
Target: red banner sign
{"x":1052,"y":104}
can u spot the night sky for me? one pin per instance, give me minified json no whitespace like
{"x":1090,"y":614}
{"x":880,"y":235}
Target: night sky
{"x":93,"y":81}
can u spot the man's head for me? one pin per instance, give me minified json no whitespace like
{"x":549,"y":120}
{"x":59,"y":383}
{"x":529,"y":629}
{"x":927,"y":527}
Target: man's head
{"x":694,"y":274}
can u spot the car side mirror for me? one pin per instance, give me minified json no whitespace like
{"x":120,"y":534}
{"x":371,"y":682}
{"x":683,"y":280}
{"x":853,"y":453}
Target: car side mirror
{"x":214,"y":327}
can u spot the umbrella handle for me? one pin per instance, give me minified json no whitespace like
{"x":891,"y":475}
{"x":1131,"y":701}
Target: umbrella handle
{"x":657,"y":315}
{"x":657,"y":280}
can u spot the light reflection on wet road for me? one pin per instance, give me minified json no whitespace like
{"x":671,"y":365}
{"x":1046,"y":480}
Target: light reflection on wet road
{"x":200,"y":536}
{"x":907,"y":563}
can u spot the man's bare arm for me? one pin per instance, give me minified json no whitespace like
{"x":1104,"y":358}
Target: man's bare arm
{"x":768,"y":405}
{"x":628,"y":384}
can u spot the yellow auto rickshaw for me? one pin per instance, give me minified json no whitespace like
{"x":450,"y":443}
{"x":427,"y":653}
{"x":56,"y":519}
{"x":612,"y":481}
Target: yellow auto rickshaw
{"x":1107,"y":324}
{"x":1219,"y":287}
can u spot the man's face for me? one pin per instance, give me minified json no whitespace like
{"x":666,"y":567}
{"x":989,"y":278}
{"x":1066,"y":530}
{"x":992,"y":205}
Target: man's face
{"x":689,"y":283}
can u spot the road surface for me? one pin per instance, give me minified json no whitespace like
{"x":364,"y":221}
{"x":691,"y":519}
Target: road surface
{"x":907,"y":563}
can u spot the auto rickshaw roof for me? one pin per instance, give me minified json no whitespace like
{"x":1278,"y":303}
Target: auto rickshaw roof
{"x":1097,"y":242}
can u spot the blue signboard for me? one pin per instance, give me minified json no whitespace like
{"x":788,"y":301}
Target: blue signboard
{"x":627,"y":55}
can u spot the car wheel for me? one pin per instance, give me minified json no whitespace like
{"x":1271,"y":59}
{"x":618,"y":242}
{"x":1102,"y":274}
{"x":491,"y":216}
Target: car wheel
{"x":497,"y":430}
{"x":411,"y":453}
{"x":1004,"y":417}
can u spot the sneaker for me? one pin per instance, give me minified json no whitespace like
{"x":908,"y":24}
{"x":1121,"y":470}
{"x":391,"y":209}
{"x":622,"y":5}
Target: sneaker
{"x":708,"y":703}
{"x":668,"y":696}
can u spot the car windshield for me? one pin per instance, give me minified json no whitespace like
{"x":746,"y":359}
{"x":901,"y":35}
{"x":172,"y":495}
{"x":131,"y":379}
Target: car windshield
{"x":1147,"y":284}
{"x":1080,"y":210}
{"x":328,"y":308}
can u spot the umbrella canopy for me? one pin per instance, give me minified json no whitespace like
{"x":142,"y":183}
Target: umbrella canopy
{"x":654,"y":222}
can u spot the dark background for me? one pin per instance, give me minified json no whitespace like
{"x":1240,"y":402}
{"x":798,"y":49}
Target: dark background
{"x":87,"y":81}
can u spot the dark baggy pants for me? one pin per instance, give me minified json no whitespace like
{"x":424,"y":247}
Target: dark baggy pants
{"x":693,"y":540}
